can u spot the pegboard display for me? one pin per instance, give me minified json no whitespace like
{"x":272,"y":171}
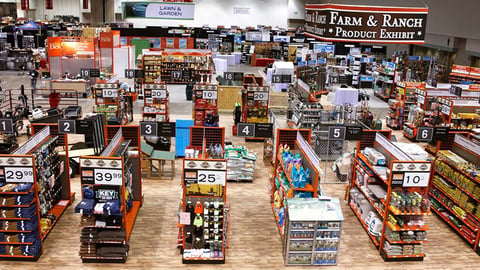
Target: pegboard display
{"x":131,"y":133}
{"x":212,"y":135}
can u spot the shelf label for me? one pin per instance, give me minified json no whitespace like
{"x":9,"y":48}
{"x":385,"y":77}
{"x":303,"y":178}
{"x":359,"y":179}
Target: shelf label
{"x":211,"y":177}
{"x":6,"y":126}
{"x":19,"y":174}
{"x":108,"y":177}
{"x":209,"y":94}
{"x":110,"y":93}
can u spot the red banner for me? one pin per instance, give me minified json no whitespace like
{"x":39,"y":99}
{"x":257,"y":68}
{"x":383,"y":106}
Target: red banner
{"x":54,"y":46}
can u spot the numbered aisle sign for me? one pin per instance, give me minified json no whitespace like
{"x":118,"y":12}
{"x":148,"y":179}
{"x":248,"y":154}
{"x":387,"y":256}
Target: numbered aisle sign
{"x":67,"y":126}
{"x":425,"y":134}
{"x":176,"y":74}
{"x":148,"y":128}
{"x":246,"y":130}
{"x":85,"y":72}
{"x":6,"y":125}
{"x":229,"y":76}
{"x":130,"y":73}
{"x":110,"y":177}
{"x":336,"y":133}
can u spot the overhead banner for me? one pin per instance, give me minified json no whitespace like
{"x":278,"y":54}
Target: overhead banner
{"x":372,"y":24}
{"x":159,"y":10}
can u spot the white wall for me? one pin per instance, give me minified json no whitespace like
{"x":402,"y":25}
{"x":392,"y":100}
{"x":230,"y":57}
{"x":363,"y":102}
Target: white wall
{"x":60,"y":7}
{"x":215,"y":12}
{"x":296,"y":9}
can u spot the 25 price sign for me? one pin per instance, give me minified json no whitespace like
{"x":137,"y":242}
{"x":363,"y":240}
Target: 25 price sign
{"x":19,"y":174}
{"x":416,"y":179}
{"x":108,"y":177}
{"x":211,"y":177}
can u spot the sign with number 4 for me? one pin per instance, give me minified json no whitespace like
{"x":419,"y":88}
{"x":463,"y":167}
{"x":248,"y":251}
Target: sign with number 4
{"x":245,"y":130}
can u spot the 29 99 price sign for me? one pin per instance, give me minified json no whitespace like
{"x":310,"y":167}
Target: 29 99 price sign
{"x":18,"y":174}
{"x":108,"y":177}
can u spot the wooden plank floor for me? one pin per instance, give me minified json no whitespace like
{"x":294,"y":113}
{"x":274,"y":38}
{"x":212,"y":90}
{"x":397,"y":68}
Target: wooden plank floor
{"x":254,"y":239}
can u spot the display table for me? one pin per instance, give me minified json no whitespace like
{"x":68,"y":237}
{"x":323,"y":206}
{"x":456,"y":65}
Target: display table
{"x":230,"y":58}
{"x":228,"y":96}
{"x":346,"y":96}
{"x":81,"y":86}
{"x":220,"y":65}
{"x":238,"y":57}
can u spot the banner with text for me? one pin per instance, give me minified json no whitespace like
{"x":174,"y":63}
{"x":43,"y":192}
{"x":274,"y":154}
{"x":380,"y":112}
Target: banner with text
{"x":366,"y":23}
{"x":159,"y":10}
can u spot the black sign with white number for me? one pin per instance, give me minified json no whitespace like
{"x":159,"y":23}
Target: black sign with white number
{"x":263,"y":130}
{"x":277,"y":78}
{"x":148,"y":128}
{"x":130,"y":73}
{"x":85,"y":72}
{"x":229,"y":76}
{"x":94,"y":72}
{"x":441,"y":134}
{"x":166,"y":129}
{"x":6,"y":126}
{"x":336,"y":133}
{"x":245,"y":130}
{"x":353,"y":133}
{"x":176,"y":74}
{"x":67,"y":126}
{"x":425,"y":134}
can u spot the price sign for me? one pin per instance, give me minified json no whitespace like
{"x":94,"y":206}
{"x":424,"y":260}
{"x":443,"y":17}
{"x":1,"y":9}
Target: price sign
{"x":445,"y":109}
{"x":421,"y":99}
{"x":245,"y":130}
{"x":260,"y":96}
{"x":110,"y":93}
{"x":209,"y":94}
{"x":211,"y":177}
{"x":148,"y":128}
{"x":19,"y":174}
{"x":130,"y":73}
{"x":6,"y":126}
{"x":416,"y":179}
{"x":336,"y":133}
{"x":67,"y":126}
{"x":85,"y":72}
{"x":176,"y":74}
{"x":157,"y":93}
{"x":424,"y":134}
{"x":108,"y":177}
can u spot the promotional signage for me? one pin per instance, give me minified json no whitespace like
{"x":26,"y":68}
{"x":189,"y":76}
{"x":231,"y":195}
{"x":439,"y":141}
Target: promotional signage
{"x":159,"y":10}
{"x":366,"y":23}
{"x":408,"y":174}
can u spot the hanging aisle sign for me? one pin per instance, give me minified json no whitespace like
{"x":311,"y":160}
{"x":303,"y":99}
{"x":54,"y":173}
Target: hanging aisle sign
{"x":159,"y":10}
{"x":366,"y":23}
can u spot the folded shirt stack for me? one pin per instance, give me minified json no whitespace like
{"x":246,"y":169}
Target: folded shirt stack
{"x":94,"y":235}
{"x":15,"y":187}
{"x":117,"y":251}
{"x":22,"y":250}
{"x":22,"y":225}
{"x":17,"y":199}
{"x":21,"y":212}
{"x":88,"y":250}
{"x":19,"y":237}
{"x":85,"y":206}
